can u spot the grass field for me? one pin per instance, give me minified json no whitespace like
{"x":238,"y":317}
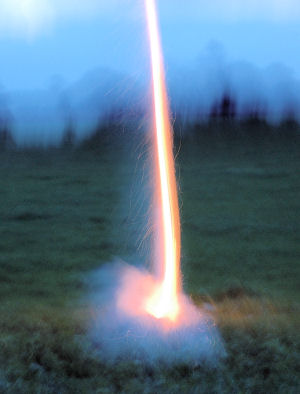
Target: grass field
{"x":63,"y":214}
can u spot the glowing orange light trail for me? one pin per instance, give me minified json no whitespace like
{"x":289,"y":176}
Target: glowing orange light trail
{"x":164,"y":302}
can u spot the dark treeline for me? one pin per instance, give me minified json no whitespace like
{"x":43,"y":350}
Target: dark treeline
{"x":223,"y":123}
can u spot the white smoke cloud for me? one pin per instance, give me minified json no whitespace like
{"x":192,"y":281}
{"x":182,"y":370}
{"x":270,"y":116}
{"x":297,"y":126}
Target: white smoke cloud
{"x":121,"y":330}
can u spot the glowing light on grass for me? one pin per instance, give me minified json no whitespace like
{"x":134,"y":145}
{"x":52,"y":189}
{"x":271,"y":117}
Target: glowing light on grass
{"x":164,"y":302}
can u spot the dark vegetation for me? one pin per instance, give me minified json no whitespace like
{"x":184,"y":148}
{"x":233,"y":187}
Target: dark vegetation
{"x":65,"y":211}
{"x":6,"y":138}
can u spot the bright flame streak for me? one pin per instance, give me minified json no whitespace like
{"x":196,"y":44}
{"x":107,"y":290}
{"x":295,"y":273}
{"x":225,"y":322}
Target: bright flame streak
{"x":164,"y":302}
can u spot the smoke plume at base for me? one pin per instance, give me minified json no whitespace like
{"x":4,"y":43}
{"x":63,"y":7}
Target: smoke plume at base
{"x":122,"y":330}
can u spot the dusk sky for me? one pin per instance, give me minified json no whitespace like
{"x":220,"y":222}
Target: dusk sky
{"x":40,"y":39}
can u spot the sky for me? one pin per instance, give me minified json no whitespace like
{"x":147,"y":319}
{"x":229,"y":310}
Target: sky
{"x":78,"y":59}
{"x":43,"y":39}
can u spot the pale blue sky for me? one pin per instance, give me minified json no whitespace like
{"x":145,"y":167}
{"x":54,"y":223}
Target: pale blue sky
{"x":42,"y":38}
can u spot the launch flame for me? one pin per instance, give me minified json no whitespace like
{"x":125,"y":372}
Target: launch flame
{"x":164,"y":302}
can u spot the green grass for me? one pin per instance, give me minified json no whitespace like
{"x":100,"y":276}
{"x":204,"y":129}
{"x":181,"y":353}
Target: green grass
{"x":241,"y":212}
{"x":64,"y":214}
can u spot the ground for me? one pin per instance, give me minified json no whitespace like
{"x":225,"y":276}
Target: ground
{"x":65,"y":213}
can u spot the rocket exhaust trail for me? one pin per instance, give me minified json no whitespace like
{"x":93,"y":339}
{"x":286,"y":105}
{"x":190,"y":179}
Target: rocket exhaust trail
{"x":164,"y":302}
{"x":150,"y":318}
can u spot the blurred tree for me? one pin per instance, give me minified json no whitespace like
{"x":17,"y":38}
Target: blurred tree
{"x":224,"y":109}
{"x":6,"y":138}
{"x":69,"y":136}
